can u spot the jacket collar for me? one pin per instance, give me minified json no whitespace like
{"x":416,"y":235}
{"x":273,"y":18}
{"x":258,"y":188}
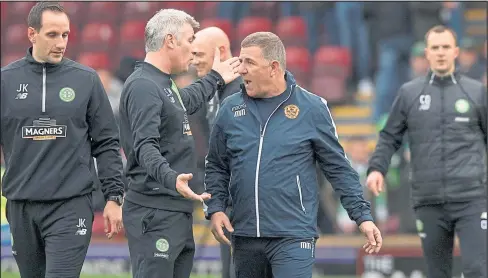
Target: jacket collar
{"x":151,"y":68}
{"x":452,"y":78}
{"x":38,"y":66}
{"x":290,"y":81}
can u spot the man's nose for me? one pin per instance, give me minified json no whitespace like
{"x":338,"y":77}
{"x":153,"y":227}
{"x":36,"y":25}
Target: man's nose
{"x":242,"y":69}
{"x":61,"y":44}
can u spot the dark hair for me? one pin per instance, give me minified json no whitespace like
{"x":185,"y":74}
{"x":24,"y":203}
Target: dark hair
{"x":440,"y":29}
{"x":34,"y":19}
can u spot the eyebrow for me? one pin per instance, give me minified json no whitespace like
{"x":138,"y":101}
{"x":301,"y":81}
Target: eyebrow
{"x":56,"y":32}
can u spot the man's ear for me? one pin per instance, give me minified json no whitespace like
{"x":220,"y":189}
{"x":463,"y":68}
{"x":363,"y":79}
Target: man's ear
{"x":275,"y":67}
{"x":31,"y":34}
{"x":456,"y":52}
{"x":170,"y":41}
{"x":222,"y":52}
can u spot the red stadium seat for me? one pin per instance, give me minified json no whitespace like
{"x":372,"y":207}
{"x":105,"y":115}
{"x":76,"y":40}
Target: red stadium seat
{"x":17,"y":11}
{"x":95,"y":60}
{"x":223,"y":24}
{"x":188,"y":7}
{"x":11,"y":57}
{"x":264,"y":8}
{"x":16,"y":34}
{"x":132,"y":31}
{"x":3,"y":11}
{"x":99,"y":36}
{"x":107,"y":12}
{"x":249,"y":25}
{"x":331,"y":88}
{"x":332,"y":56}
{"x":208,"y":9}
{"x":298,"y":58}
{"x":301,"y":78}
{"x":292,"y":31}
{"x":76,"y":11}
{"x":140,"y":10}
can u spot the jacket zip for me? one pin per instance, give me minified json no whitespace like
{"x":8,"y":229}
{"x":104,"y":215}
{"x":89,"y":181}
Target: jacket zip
{"x":262,"y":131}
{"x":442,"y":140}
{"x":300,"y":194}
{"x":44,"y":89}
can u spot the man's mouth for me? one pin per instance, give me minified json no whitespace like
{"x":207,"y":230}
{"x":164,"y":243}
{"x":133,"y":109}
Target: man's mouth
{"x":247,"y":82}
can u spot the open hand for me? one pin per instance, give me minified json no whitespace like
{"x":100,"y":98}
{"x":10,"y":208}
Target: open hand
{"x":228,"y":69}
{"x":112,"y":218}
{"x":374,"y":241}
{"x":183,"y":188}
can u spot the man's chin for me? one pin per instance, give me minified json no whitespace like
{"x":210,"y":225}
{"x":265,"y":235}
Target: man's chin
{"x":55,"y":60}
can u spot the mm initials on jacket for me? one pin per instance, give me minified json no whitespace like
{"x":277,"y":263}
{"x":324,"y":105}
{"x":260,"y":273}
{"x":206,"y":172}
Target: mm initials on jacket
{"x":239,"y":110}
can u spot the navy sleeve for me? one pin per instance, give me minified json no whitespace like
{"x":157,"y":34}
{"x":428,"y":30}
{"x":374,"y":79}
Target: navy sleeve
{"x":202,"y":91}
{"x":105,"y":145}
{"x":337,"y":168}
{"x":217,"y":172}
{"x":144,"y":107}
{"x":391,"y":137}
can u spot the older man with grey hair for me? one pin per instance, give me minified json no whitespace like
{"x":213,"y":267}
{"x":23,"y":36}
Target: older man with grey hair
{"x":157,"y":139}
{"x":263,"y":151}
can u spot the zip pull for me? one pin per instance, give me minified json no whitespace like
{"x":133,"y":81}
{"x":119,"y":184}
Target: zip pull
{"x":43,"y":88}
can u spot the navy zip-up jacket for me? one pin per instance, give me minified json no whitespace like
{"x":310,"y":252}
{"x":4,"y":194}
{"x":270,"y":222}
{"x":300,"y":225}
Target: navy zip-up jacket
{"x":271,"y":165}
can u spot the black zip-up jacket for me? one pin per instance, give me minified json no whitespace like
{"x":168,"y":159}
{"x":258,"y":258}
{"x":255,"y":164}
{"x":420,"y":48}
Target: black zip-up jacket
{"x":156,"y":134}
{"x":445,"y":119}
{"x":55,"y":118}
{"x":215,"y":103}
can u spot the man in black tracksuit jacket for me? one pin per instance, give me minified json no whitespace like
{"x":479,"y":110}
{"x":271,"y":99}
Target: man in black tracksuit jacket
{"x":55,"y":117}
{"x":157,"y":139}
{"x":444,"y":115}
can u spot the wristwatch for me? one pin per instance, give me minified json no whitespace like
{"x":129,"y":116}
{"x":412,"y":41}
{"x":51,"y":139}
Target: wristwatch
{"x":117,"y":199}
{"x":220,"y":85}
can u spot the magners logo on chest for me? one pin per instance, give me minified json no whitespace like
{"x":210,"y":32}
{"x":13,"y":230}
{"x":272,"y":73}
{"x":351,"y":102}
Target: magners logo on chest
{"x":44,"y":129}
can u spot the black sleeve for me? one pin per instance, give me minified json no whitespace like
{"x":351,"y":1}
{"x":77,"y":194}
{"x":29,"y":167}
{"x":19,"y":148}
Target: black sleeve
{"x":484,"y":113}
{"x":391,"y":136}
{"x":144,"y":106}
{"x":202,"y":91}
{"x":337,"y":168}
{"x":105,"y":144}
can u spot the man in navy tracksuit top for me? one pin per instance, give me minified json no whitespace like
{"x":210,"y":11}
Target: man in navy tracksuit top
{"x":263,"y":150}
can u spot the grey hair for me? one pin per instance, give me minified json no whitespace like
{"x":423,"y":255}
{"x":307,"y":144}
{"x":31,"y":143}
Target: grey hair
{"x":270,"y":44}
{"x":163,"y":23}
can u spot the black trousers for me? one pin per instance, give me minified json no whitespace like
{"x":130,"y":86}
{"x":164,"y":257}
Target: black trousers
{"x":161,"y":243}
{"x":50,"y":239}
{"x":437,"y":225}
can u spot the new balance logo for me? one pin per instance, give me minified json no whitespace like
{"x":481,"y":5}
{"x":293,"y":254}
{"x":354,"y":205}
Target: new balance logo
{"x":21,"y":96}
{"x":81,"y":227}
{"x":305,"y":245}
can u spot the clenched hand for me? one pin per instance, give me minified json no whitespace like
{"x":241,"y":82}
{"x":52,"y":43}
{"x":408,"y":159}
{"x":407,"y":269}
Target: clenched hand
{"x":375,"y":182}
{"x":219,"y":220}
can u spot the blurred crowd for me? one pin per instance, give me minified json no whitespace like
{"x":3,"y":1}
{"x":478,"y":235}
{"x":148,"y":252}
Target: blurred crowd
{"x":385,"y":45}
